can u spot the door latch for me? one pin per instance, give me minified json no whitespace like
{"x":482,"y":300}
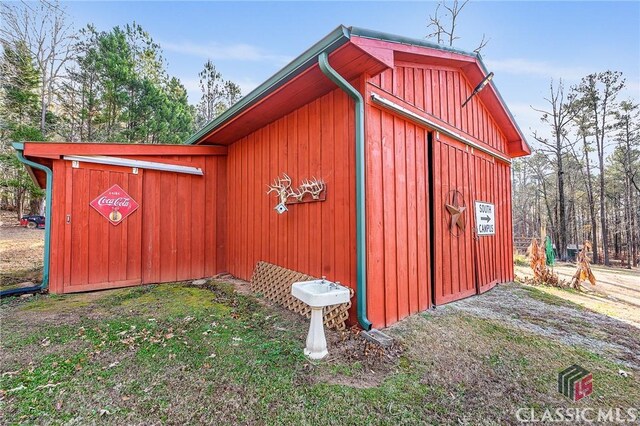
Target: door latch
{"x":68,"y":218}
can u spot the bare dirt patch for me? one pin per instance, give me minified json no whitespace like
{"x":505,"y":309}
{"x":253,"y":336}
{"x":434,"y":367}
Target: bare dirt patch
{"x":21,"y":251}
{"x":518,"y":307}
{"x":616,"y":293}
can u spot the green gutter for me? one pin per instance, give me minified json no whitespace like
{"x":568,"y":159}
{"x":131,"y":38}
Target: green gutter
{"x":361,"y":239}
{"x":19,"y":147}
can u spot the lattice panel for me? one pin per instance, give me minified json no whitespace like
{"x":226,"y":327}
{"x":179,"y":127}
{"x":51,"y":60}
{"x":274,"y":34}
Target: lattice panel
{"x":274,"y":282}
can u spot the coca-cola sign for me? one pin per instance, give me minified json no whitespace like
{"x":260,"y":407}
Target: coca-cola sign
{"x":114,"y":204}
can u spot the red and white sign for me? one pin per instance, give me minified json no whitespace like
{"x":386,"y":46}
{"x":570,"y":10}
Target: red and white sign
{"x":114,"y":204}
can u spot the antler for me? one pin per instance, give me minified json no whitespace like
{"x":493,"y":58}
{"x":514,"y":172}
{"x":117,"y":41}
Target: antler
{"x":282,"y":187}
{"x":313,"y":187}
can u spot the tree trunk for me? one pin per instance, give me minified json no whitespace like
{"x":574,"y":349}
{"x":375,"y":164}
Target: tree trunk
{"x":616,"y":233}
{"x":629,"y":224}
{"x":34,"y":205}
{"x":603,"y":212}
{"x":19,"y":203}
{"x":43,"y":107}
{"x":634,"y":233}
{"x":562,"y":217}
{"x":591,"y":201}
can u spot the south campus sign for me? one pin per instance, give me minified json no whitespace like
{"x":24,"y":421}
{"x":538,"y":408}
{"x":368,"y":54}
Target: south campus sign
{"x":114,"y":204}
{"x":485,"y":218}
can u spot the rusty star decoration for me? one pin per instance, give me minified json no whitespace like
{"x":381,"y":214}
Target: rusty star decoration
{"x":457,"y":218}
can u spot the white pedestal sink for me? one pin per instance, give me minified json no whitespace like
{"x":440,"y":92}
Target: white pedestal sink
{"x":318,"y":294}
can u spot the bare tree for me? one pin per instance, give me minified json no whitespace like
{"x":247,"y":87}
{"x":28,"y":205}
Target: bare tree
{"x":559,"y":116}
{"x":628,"y":123}
{"x":582,"y":122}
{"x":44,"y":28}
{"x":598,"y":94}
{"x":443,"y":27}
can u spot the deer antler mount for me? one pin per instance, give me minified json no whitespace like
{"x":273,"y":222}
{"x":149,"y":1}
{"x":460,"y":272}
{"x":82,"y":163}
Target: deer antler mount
{"x":308,"y":191}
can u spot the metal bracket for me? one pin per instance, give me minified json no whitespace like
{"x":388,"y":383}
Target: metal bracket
{"x":75,"y":164}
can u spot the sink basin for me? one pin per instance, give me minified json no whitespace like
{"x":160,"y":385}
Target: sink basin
{"x":320,"y":293}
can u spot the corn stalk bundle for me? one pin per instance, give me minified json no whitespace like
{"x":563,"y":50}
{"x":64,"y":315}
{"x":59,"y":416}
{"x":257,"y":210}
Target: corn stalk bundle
{"x":542,"y":275}
{"x":583,"y":273}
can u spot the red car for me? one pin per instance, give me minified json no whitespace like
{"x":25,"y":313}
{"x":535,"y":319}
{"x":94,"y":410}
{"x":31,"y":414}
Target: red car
{"x":32,"y":221}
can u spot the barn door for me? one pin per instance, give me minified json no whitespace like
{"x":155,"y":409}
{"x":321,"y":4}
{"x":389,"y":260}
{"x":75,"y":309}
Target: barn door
{"x":483,"y":215}
{"x":452,"y":244}
{"x":102,"y":250}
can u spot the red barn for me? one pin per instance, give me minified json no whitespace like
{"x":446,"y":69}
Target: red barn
{"x":416,"y":207}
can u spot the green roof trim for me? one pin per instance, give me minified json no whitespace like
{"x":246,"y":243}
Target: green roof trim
{"x":328,"y":44}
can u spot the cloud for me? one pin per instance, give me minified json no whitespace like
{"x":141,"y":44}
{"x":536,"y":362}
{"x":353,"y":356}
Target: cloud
{"x":222,"y":52}
{"x":517,"y":66}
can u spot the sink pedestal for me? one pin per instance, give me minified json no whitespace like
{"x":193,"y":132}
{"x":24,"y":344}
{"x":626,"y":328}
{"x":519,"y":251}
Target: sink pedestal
{"x":316,"y":342}
{"x":317,"y":294}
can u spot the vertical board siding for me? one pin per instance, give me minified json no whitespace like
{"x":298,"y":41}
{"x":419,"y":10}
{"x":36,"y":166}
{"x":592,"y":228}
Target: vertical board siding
{"x":492,"y":183}
{"x":316,"y":238}
{"x":453,"y":257}
{"x":398,"y":258}
{"x":441,"y":92}
{"x":177,"y":233}
{"x":463,"y":265}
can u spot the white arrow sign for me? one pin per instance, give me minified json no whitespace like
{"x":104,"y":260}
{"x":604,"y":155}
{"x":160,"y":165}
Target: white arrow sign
{"x":485,"y":218}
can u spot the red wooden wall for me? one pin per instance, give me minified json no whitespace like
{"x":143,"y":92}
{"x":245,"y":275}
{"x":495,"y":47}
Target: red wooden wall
{"x":316,"y":140}
{"x":453,"y":249}
{"x":191,"y":226}
{"x":492,"y":183}
{"x":397,"y":218}
{"x":401,"y":264}
{"x":177,"y":233}
{"x":440,"y":92}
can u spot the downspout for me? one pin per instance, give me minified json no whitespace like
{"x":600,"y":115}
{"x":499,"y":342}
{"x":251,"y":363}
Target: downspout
{"x":19,"y":147}
{"x":361,"y":242}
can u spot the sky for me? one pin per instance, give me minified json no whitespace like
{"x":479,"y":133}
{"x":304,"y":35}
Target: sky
{"x":530,"y":43}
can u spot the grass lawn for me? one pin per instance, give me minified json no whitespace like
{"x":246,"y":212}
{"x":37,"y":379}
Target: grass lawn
{"x":179,"y":354}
